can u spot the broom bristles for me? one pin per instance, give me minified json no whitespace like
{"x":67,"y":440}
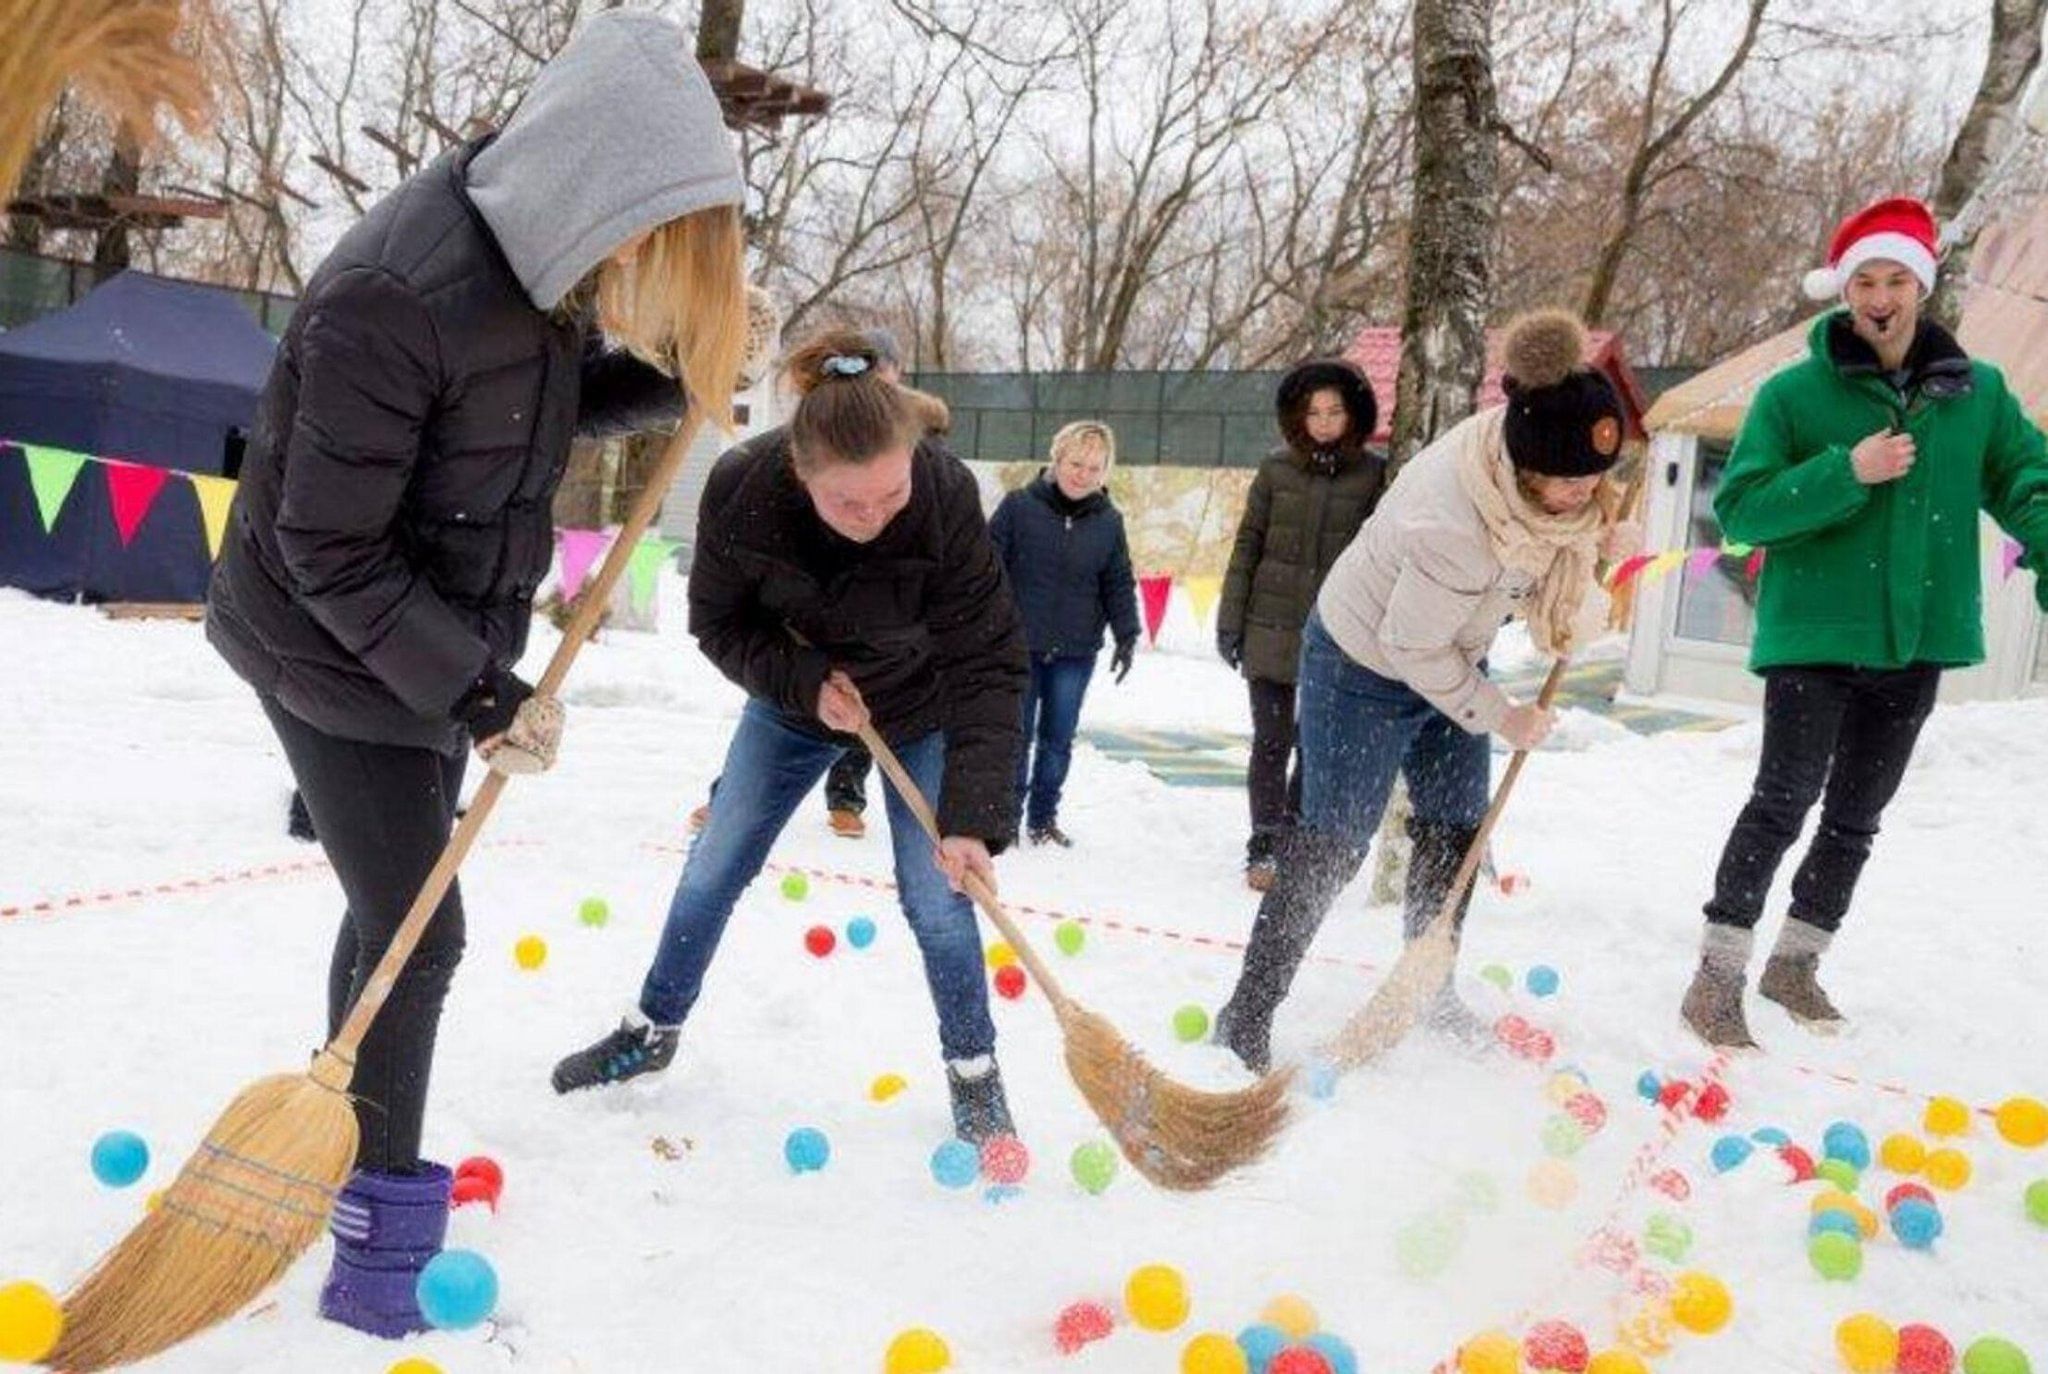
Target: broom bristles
{"x":1397,"y":1003}
{"x":242,"y":1210}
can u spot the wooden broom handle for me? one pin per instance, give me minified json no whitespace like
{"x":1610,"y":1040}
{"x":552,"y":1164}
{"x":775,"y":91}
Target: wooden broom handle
{"x":597,"y":592}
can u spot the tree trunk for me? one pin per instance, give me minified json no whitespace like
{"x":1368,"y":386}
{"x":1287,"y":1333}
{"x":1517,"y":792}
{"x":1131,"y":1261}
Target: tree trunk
{"x":1450,"y":268}
{"x":1986,"y":130}
{"x":718,"y":30}
{"x":110,"y":253}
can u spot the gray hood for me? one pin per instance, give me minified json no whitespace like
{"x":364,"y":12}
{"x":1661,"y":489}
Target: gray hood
{"x":619,"y":132}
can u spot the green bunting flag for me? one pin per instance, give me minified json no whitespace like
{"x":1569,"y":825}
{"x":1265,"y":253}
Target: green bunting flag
{"x":51,"y":471}
{"x":645,"y":563}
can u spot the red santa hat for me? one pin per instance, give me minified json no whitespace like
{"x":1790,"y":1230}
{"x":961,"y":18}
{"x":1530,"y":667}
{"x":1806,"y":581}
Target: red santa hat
{"x":1898,"y":230}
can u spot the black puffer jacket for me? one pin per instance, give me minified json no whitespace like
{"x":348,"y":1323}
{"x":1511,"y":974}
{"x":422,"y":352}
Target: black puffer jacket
{"x":393,"y":518}
{"x":1069,"y":567}
{"x":920,"y":617}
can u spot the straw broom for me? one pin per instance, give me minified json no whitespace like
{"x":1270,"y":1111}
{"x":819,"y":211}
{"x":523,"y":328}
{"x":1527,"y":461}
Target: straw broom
{"x":1177,"y":1136}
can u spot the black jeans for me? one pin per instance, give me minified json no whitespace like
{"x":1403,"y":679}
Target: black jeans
{"x":1845,"y":732}
{"x":1274,"y":777}
{"x":383,"y":813}
{"x":846,"y":786}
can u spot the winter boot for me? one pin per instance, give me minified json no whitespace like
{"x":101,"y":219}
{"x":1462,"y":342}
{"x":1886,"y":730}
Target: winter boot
{"x":636,"y":1047}
{"x":846,"y":823}
{"x":1789,"y":977}
{"x":980,"y":1110}
{"x":1313,"y":868}
{"x":1050,"y":833}
{"x":1436,"y":852}
{"x":1260,"y":866}
{"x":298,"y":821}
{"x":386,"y":1227}
{"x":1713,"y":1004}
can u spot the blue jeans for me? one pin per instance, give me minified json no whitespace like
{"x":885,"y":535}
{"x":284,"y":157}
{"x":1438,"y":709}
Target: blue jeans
{"x":769,"y":768}
{"x":1052,"y":712}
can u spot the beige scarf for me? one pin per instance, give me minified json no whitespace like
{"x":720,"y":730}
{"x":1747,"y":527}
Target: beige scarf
{"x":1560,"y":551}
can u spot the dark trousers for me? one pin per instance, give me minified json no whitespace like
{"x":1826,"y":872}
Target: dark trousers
{"x":1841,"y":736}
{"x":1052,"y":713}
{"x":1274,"y":777}
{"x":846,"y":786}
{"x":383,"y":813}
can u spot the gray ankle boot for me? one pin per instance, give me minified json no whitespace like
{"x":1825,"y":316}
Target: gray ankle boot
{"x":1713,"y":1004}
{"x":1790,"y":977}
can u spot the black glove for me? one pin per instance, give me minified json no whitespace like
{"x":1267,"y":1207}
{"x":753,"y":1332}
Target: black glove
{"x":1120,"y":661}
{"x":487,"y":708}
{"x":1230,"y":644}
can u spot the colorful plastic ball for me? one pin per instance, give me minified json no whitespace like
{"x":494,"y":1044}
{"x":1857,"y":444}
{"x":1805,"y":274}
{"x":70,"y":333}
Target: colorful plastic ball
{"x":917,"y":1351}
{"x":795,"y":886}
{"x":956,"y":1164}
{"x":806,"y":1149}
{"x":1701,"y":1303}
{"x":1672,"y":1093}
{"x":1190,"y":1023}
{"x":1212,"y":1352}
{"x":1589,"y":1111}
{"x":2023,"y":1121}
{"x":530,"y":953}
{"x":1649,"y":1331}
{"x":1156,"y":1296}
{"x":1322,"y":1079}
{"x":413,"y":1364}
{"x":1552,"y":1184}
{"x":1292,"y":1314}
{"x":1649,"y":1087}
{"x":1845,"y":1140}
{"x":1261,"y":1342}
{"x":1672,"y":1184}
{"x":1902,"y":1153}
{"x":1617,"y":1362}
{"x":1563,"y":1137}
{"x":1712,"y":1103}
{"x":30,"y":1323}
{"x":886,"y":1086}
{"x":1923,"y":1350}
{"x":1839,"y":1172}
{"x":1841,"y":1222}
{"x":1917,"y":1224}
{"x":1947,"y":1116}
{"x":1094,"y":1165}
{"x":1555,"y":1346}
{"x":1541,"y":980}
{"x":1667,"y":1237}
{"x":1426,"y":1246}
{"x":1513,"y":884}
{"x":1771,"y":1136}
{"x":820,"y":941}
{"x":1511,"y":1028}
{"x":1798,"y":1161}
{"x":1564,"y":1085}
{"x":1080,"y":1324}
{"x":1995,"y":1355}
{"x":1730,"y":1151}
{"x":1498,"y":975}
{"x":1070,"y":936}
{"x":1947,"y":1169}
{"x":1867,"y":1344}
{"x":1004,"y":1159}
{"x":1010,"y":981}
{"x":594,"y":912}
{"x":477,"y":1179}
{"x":2036,"y":1201}
{"x":457,"y":1290}
{"x":860,"y":932}
{"x":1335,"y":1350}
{"x":1492,"y":1352}
{"x":999,"y":955}
{"x":1835,"y":1256}
{"x":1001,"y":1192}
{"x":1299,"y":1359}
{"x":119,"y":1158}
{"x":1537,"y":1047}
{"x":1477,"y":1192}
{"x":1902,"y":1191}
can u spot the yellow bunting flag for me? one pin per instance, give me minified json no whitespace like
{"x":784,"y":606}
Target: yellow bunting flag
{"x":1202,"y":593}
{"x":215,"y":495}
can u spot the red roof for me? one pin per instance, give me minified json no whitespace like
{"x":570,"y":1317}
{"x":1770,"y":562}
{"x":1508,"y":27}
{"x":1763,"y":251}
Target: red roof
{"x":1377,"y":349}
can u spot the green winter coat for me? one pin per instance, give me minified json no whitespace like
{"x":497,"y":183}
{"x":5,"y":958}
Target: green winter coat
{"x":1886,"y":575}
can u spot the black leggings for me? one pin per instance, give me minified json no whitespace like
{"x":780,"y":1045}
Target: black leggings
{"x":1274,"y":778}
{"x":383,"y":814}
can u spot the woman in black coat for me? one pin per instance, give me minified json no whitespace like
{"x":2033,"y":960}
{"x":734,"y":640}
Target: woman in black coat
{"x":1062,"y":543}
{"x":393,"y":518}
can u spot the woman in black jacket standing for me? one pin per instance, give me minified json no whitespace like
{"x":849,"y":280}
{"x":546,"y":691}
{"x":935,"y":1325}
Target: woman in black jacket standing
{"x":393,"y":518}
{"x":1062,"y":543}
{"x":843,"y":571}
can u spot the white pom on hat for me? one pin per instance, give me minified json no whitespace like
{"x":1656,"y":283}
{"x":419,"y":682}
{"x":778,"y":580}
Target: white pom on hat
{"x":1821,"y":284}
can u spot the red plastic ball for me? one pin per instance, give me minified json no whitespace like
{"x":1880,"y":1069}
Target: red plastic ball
{"x":1798,"y":1161}
{"x":1511,"y":1030}
{"x":1712,"y":1103}
{"x":1673,"y":1092}
{"x":485,"y":1168}
{"x":1081,"y":1323}
{"x":1537,"y":1045}
{"x":472,"y":1188}
{"x":1923,"y":1350}
{"x":820,"y":940}
{"x":1672,"y":1184}
{"x":1556,"y":1346}
{"x":1004,"y":1159}
{"x":1588,"y":1110}
{"x":1906,"y":1190}
{"x":1010,"y":981}
{"x":1299,"y":1359}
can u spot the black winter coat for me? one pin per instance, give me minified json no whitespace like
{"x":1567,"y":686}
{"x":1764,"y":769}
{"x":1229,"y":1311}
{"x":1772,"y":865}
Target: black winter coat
{"x":1069,"y":567}
{"x":919,"y":617}
{"x":1300,"y":513}
{"x":393,"y":518}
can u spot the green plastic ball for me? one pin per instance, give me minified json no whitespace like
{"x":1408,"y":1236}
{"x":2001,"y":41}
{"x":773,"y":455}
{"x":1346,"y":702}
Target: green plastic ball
{"x":795,"y":886}
{"x":1190,"y":1024}
{"x":1426,"y":1246}
{"x":1667,"y":1237}
{"x":1995,"y":1355}
{"x":1094,"y":1165}
{"x":1839,"y":1172}
{"x":594,"y":911}
{"x":2037,"y":1201}
{"x":1070,"y":936}
{"x":1563,"y":1137}
{"x":1498,"y":975}
{"x":1835,"y":1256}
{"x":1478,"y":1192}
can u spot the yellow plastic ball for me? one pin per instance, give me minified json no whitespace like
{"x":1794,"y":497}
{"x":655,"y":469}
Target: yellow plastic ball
{"x":1616,"y":1362}
{"x":886,"y":1087}
{"x":1649,"y":1332}
{"x":999,"y":955}
{"x":30,"y":1322}
{"x":153,"y":1201}
{"x":531,"y":952}
{"x":1156,"y":1296}
{"x":1831,"y":1200}
{"x":415,"y":1365}
{"x":1292,"y":1315}
{"x":1552,"y":1184}
{"x":1563,"y":1087}
{"x":1700,"y":1303}
{"x":1947,"y":1169}
{"x":1867,"y":1344}
{"x":1491,"y":1353}
{"x":1213,"y":1353}
{"x":2023,"y":1121}
{"x":917,"y":1351}
{"x":1947,"y":1116}
{"x":1902,"y":1153}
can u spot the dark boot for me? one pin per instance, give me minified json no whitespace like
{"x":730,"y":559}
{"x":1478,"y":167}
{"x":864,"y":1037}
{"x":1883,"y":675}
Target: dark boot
{"x":981,"y":1111}
{"x":386,"y":1227}
{"x":1313,"y":869}
{"x":636,"y":1047}
{"x":1790,"y":977}
{"x":1713,"y":1004}
{"x":298,"y":822}
{"x":1437,"y":852}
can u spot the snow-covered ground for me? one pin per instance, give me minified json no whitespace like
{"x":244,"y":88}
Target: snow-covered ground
{"x":133,"y":759}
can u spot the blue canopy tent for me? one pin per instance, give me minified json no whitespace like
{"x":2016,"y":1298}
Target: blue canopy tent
{"x":142,"y":369}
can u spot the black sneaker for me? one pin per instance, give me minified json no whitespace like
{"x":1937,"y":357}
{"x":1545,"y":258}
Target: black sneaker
{"x":1051,"y":834}
{"x":980,"y":1111}
{"x":626,"y":1053}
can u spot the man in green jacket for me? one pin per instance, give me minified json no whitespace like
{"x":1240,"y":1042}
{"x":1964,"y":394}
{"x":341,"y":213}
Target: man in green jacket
{"x":1861,"y":470}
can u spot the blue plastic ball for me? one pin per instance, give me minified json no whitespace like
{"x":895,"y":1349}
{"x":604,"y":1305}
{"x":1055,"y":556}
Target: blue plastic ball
{"x":806,"y":1149}
{"x":1916,"y":1222}
{"x":1771,"y":1136}
{"x":1261,"y":1343}
{"x":1002,"y":1192}
{"x":1322,"y":1080}
{"x":1845,"y":1141}
{"x":1343,"y":1359}
{"x":1832,"y":1220}
{"x":456,"y":1290}
{"x":860,"y":932}
{"x":119,"y":1158}
{"x":956,"y":1164}
{"x":1730,"y":1151}
{"x":1648,"y":1085}
{"x":1542,"y":980}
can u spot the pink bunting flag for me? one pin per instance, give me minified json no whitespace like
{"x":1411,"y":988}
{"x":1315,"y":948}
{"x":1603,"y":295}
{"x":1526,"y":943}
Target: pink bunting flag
{"x":1153,"y":591}
{"x":1630,"y":566}
{"x":132,"y":487}
{"x":580,"y":549}
{"x":2009,"y":558}
{"x":1702,"y":560}
{"x":1755,"y":567}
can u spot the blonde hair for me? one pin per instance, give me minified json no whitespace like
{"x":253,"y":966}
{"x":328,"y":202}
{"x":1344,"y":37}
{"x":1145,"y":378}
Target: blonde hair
{"x":681,"y":304}
{"x":1072,"y":436}
{"x":846,"y":412}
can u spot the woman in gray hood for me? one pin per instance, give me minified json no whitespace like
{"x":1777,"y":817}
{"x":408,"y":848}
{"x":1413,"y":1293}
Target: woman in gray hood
{"x":578,"y":273}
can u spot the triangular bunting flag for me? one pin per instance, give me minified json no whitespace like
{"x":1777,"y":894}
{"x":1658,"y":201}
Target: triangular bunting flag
{"x":51,"y":471}
{"x":645,"y":563}
{"x":2009,"y":558}
{"x":1755,"y":565}
{"x":1664,"y":563}
{"x":580,"y":549}
{"x":1700,"y":560}
{"x":1202,"y":594}
{"x":1628,"y":568}
{"x":215,"y":495}
{"x":1152,"y":593}
{"x":132,"y":487}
